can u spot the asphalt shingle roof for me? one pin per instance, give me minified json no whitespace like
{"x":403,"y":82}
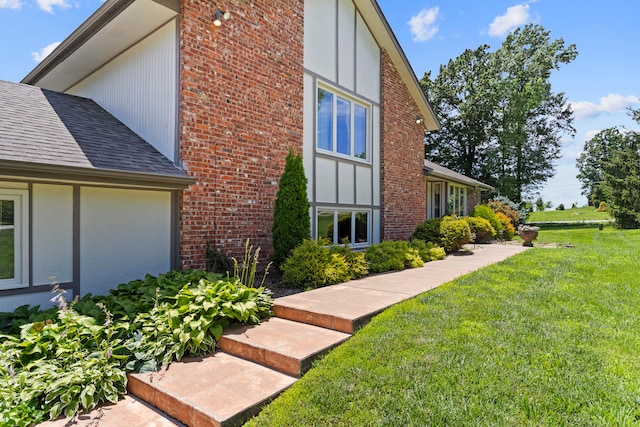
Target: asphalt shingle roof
{"x":442,"y":172}
{"x":45,"y":127}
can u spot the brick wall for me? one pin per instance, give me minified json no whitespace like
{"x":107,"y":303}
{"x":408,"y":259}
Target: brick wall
{"x":403,"y":185}
{"x":241,"y":104}
{"x":474,"y":198}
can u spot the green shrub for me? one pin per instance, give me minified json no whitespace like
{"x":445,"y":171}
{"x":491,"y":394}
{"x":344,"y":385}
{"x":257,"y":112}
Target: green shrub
{"x":313,"y":264}
{"x":390,"y":255}
{"x":484,"y":211}
{"x":291,"y":220}
{"x":560,"y":207}
{"x":508,"y":230}
{"x":428,"y":231}
{"x":355,"y":260}
{"x":603,"y":207}
{"x":428,"y":251}
{"x":482,"y":229}
{"x":455,"y":233}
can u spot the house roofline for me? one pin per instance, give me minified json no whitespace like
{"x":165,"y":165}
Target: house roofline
{"x":398,"y":57}
{"x":89,"y":28}
{"x":103,"y":176}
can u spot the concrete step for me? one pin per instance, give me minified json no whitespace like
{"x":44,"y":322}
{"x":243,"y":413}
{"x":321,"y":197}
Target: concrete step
{"x":287,"y":346}
{"x":215,"y":390}
{"x":341,"y":308}
{"x":129,"y":412}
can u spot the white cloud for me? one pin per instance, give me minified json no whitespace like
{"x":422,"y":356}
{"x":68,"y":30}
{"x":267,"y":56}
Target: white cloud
{"x":514,"y":17}
{"x":612,"y":103}
{"x":47,"y":5}
{"x":423,"y":25}
{"x":39,"y":56}
{"x":10,"y":4}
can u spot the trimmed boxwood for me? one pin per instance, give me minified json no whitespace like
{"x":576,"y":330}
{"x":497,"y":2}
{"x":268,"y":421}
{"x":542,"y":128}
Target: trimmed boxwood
{"x":455,"y":233}
{"x":482,"y":228}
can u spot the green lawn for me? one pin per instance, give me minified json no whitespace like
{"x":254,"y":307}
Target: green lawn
{"x":587,"y":213}
{"x":549,"y":337}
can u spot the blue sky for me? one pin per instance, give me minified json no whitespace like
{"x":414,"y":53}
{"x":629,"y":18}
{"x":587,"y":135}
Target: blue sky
{"x":601,"y":83}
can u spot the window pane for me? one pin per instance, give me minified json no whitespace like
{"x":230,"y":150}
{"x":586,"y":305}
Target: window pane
{"x":7,"y":239}
{"x":344,"y":227}
{"x":325,"y":225}
{"x":362,"y":229}
{"x":343,"y":121}
{"x":325,"y":120}
{"x":359,"y":131}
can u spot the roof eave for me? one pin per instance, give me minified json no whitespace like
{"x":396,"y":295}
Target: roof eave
{"x":388,"y":41}
{"x":104,"y":176}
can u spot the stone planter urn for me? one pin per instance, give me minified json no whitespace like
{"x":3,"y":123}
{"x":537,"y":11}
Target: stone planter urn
{"x":528,"y":233}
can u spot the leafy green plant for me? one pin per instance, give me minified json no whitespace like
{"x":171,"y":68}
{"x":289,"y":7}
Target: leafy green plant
{"x":428,"y":251}
{"x":78,"y":358}
{"x":392,"y":255}
{"x":603,"y":207}
{"x":428,"y":231}
{"x":314,"y":264}
{"x":291,"y":219}
{"x":482,"y":229}
{"x":508,"y":230}
{"x":455,"y":233}
{"x":484,"y":211}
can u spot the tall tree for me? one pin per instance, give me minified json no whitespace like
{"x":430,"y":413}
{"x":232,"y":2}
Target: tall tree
{"x":502,"y":123}
{"x":609,"y":170}
{"x":589,"y":164}
{"x":462,"y":98}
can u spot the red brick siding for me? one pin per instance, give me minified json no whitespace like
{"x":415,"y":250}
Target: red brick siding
{"x":474,"y":198}
{"x":403,"y":185}
{"x":241,"y":104}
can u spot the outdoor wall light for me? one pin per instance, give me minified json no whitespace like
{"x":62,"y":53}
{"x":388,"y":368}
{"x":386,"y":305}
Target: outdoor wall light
{"x":419,"y":120}
{"x":219,"y":16}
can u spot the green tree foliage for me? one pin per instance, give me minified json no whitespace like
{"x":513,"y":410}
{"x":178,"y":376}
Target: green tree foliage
{"x":502,"y":123}
{"x":609,"y":170}
{"x":596,"y":151}
{"x":621,"y":173}
{"x":291,"y":219}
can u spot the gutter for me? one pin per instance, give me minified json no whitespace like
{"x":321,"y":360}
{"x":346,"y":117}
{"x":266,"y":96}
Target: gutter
{"x":103,"y":176}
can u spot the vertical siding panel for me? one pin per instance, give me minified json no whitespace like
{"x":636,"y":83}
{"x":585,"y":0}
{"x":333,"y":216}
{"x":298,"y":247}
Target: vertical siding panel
{"x":140,"y":89}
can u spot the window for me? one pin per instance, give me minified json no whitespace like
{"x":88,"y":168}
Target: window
{"x":13,"y":262}
{"x":352,"y":226}
{"x":457,"y":200}
{"x":342,"y":125}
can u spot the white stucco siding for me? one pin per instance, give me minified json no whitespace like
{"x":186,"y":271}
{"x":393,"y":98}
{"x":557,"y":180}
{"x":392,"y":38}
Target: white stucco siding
{"x":52,"y":243}
{"x":320,"y":35}
{"x":367,"y":62}
{"x":124,"y":234}
{"x":346,"y":45}
{"x":43,"y":299}
{"x":341,"y":55}
{"x":326,"y":180}
{"x":140,"y":88}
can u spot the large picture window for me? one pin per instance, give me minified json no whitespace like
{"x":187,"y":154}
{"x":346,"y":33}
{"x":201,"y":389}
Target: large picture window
{"x":342,"y":125}
{"x":341,"y":226}
{"x":13,"y":242}
{"x":457,"y":200}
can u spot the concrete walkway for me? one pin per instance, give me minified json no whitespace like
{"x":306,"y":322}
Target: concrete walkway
{"x":256,"y":363}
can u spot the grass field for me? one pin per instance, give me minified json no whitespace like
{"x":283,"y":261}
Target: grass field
{"x":587,"y":213}
{"x":549,"y":337}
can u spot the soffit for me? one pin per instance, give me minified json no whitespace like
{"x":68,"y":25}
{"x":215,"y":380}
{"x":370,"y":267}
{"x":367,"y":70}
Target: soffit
{"x":113,"y":28}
